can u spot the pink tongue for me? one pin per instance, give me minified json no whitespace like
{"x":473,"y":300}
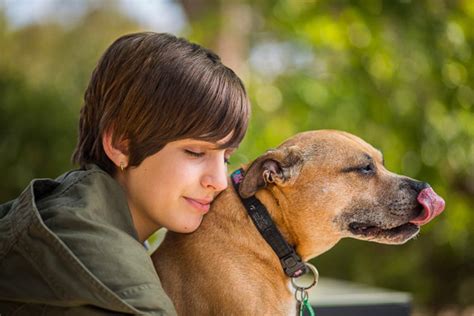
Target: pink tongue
{"x":433,"y":205}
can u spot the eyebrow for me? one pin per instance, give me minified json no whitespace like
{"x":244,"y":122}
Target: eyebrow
{"x":224,"y":148}
{"x":215,"y":145}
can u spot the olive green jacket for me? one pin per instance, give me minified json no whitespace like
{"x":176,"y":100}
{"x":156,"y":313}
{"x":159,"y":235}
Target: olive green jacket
{"x":68,"y":247}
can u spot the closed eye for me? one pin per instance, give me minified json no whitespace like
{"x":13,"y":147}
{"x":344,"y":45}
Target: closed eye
{"x":366,"y":169}
{"x":201,"y":154}
{"x":193,"y":153}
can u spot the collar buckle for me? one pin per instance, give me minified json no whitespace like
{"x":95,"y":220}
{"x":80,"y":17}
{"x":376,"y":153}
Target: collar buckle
{"x":292,"y":265}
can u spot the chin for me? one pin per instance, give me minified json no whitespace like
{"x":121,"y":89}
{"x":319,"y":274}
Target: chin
{"x":189,"y":226}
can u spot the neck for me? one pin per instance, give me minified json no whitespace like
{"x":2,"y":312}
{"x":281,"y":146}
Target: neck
{"x":228,"y":217}
{"x":289,"y":219}
{"x":144,"y":226}
{"x":269,"y":222}
{"x":275,"y":203}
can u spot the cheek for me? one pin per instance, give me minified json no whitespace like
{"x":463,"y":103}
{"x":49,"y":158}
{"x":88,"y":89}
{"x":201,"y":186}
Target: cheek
{"x":176,"y":179}
{"x":336,"y":195}
{"x":366,"y":188}
{"x":183,"y":174}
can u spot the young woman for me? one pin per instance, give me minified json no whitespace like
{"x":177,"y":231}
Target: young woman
{"x":161,"y":117}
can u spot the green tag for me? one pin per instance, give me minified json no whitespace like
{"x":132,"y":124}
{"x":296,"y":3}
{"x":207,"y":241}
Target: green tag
{"x":306,"y":305}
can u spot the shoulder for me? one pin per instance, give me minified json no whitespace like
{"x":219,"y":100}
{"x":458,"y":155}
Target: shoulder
{"x":77,"y":230}
{"x":89,"y":195}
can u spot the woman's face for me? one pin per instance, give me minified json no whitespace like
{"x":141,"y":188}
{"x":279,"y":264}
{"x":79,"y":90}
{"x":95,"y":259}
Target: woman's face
{"x":174,"y":187}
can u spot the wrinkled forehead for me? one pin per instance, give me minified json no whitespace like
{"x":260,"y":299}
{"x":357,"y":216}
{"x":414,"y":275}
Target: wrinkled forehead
{"x":359,"y":146}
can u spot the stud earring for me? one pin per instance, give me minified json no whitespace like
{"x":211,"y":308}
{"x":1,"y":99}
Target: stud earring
{"x":122,"y":166}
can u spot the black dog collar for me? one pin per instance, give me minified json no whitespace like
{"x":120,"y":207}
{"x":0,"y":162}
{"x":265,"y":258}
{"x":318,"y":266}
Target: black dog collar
{"x":289,"y":259}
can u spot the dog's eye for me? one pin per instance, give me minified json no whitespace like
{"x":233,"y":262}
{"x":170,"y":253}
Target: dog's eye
{"x":367,"y":169}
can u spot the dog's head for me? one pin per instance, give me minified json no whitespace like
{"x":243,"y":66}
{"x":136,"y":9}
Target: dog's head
{"x":331,"y":184}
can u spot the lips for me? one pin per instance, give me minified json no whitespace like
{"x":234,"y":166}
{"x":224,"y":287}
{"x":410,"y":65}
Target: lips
{"x":199,"y":204}
{"x":394,"y":235}
{"x":432,"y":204}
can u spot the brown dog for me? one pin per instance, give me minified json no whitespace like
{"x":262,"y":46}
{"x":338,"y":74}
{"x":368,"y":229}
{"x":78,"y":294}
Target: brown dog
{"x":319,"y":187}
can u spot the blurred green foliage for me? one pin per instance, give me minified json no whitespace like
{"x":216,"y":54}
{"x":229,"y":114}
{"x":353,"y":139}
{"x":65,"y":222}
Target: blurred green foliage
{"x":399,"y":74}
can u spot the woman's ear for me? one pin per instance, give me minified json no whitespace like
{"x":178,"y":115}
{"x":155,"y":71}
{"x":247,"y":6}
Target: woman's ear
{"x":117,"y":154}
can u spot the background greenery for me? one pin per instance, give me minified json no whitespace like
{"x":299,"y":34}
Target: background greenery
{"x":399,"y":74}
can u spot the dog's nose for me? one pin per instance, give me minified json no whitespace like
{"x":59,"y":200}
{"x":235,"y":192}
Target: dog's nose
{"x":415,"y":185}
{"x":418,"y":186}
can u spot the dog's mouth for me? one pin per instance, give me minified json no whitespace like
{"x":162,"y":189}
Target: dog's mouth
{"x":396,"y":234}
{"x":429,"y":206}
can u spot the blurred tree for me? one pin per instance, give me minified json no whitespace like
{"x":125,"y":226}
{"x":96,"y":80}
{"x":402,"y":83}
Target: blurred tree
{"x":44,"y":71}
{"x":35,"y":134}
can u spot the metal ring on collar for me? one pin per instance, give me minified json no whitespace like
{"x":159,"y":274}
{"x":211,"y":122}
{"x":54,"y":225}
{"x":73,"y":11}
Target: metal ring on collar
{"x":315,"y":274}
{"x":301,"y":295}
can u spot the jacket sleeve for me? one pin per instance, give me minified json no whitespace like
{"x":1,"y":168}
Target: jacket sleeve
{"x":28,"y":309}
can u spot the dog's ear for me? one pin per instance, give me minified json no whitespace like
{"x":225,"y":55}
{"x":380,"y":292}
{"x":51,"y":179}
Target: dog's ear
{"x":279,"y":166}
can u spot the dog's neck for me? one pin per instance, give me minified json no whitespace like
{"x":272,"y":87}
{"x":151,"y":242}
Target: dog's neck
{"x":280,"y":210}
{"x":286,"y":216}
{"x":277,"y":205}
{"x":272,"y":198}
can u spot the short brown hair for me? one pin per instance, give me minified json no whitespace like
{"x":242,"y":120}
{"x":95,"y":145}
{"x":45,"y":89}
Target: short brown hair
{"x":154,"y":88}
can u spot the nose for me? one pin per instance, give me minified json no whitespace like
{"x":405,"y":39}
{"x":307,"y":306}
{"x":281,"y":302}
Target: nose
{"x":215,"y":177}
{"x":415,"y":185}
